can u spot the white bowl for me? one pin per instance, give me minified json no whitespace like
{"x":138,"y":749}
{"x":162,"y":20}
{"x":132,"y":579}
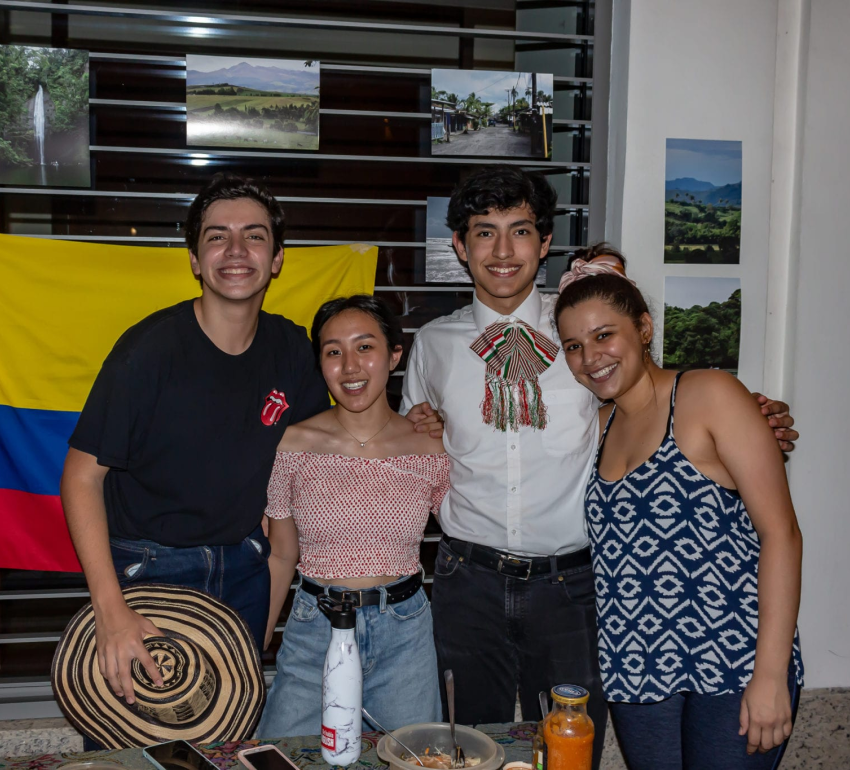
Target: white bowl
{"x":437,"y":735}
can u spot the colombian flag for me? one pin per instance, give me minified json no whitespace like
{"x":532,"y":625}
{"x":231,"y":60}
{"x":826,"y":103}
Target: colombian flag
{"x":63,"y":305}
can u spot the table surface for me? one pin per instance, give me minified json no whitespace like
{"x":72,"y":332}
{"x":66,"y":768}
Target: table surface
{"x":515,"y":738}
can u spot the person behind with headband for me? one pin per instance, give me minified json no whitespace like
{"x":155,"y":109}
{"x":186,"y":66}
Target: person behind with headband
{"x":696,"y":549}
{"x":348,"y":501}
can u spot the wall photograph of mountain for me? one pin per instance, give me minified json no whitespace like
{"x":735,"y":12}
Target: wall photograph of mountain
{"x":702,"y":202}
{"x":263,"y":104}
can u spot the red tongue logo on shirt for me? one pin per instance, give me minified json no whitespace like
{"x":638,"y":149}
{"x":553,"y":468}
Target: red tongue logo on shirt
{"x":274,"y":407}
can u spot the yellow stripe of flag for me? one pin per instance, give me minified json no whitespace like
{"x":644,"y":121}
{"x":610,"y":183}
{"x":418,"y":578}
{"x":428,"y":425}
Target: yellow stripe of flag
{"x":64,"y":304}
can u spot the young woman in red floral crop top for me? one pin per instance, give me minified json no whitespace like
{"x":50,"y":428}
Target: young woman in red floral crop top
{"x":348,"y":500}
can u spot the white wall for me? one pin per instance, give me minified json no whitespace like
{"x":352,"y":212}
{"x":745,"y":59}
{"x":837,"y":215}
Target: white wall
{"x":820,"y":470}
{"x":695,"y":70}
{"x":706,"y":70}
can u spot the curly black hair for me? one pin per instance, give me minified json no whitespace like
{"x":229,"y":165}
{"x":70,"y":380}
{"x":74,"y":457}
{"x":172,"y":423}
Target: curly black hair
{"x":228,"y":187}
{"x":502,"y":188}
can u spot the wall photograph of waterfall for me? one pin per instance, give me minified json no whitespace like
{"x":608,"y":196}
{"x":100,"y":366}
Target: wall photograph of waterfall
{"x":44,"y":117}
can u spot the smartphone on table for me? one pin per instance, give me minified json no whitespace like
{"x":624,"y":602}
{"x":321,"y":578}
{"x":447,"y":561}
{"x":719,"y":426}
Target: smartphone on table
{"x":266,"y":758}
{"x":177,"y":755}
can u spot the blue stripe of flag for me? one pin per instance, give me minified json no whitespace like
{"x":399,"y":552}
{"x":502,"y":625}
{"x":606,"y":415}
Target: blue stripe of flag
{"x":33,"y":445}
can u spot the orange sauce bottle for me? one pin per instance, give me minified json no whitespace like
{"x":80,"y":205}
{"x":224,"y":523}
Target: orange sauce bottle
{"x":568,"y":730}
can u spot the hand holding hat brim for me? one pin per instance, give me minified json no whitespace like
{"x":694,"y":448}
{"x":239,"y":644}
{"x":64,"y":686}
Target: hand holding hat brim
{"x":213,"y":686}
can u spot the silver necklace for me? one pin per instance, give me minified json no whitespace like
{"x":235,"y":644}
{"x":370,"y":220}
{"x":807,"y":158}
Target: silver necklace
{"x":362,"y":443}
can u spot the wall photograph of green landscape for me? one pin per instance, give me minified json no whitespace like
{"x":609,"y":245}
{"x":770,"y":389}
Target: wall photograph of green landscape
{"x":270,"y":104}
{"x":702,"y":202}
{"x":702,"y":323}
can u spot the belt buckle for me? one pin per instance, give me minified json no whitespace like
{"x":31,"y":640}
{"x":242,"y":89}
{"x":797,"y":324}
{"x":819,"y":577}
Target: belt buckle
{"x":355,"y":597}
{"x":515,"y":561}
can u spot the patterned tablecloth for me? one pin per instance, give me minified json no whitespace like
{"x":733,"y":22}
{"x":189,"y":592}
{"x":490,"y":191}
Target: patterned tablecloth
{"x":305,"y":752}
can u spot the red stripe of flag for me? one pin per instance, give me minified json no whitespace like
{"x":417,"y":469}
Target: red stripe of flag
{"x":35,"y":535}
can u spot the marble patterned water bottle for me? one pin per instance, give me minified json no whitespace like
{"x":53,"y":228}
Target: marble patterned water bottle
{"x":342,"y":686}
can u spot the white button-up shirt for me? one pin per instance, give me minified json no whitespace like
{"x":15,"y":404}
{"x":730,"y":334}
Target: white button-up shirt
{"x":522,"y":491}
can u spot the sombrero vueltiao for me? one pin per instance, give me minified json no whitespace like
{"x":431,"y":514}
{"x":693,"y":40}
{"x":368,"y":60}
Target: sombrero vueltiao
{"x":213,"y":687}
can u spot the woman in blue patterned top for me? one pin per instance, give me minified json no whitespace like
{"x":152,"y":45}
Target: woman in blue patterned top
{"x":696,"y":549}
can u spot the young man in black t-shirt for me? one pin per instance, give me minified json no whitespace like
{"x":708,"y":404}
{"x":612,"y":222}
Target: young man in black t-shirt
{"x":165,"y":480}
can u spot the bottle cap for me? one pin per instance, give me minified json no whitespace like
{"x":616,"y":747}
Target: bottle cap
{"x":341,"y":613}
{"x":570,"y":694}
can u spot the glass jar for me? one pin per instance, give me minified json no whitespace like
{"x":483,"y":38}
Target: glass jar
{"x":568,"y":730}
{"x":537,"y":761}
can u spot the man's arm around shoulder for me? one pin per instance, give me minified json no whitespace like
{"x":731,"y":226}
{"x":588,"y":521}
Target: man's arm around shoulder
{"x":119,"y":630}
{"x":416,"y":401}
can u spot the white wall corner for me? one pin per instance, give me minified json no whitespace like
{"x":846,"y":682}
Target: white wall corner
{"x":792,"y":43}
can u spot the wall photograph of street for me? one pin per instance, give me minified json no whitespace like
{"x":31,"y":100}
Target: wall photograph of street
{"x":491,"y":114}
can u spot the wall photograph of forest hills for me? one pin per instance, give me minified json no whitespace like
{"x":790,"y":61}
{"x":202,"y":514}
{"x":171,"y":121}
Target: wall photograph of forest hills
{"x":270,"y":104}
{"x":702,"y":202}
{"x":702,"y":323}
{"x":44,"y":117}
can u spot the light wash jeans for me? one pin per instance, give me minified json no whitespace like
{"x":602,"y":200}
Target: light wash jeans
{"x":396,"y":643}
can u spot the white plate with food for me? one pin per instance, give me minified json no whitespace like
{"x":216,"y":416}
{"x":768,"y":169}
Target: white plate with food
{"x":432,"y":742}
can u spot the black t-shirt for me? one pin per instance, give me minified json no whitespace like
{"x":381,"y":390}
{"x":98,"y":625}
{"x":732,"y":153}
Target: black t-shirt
{"x":189,"y":432}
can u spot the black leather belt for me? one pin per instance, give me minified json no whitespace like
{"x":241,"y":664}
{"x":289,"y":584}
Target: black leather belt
{"x":364,"y":597}
{"x":511,"y":565}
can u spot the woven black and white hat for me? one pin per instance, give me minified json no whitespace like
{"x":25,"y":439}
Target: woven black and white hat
{"x":213,"y":687}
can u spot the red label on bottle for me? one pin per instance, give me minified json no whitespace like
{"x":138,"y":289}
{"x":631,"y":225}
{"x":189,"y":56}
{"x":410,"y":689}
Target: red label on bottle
{"x":329,"y":738}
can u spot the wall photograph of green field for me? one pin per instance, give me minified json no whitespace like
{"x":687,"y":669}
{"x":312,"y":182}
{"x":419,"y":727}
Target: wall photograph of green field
{"x":702,"y":323}
{"x":264,"y":104}
{"x":702,"y":202}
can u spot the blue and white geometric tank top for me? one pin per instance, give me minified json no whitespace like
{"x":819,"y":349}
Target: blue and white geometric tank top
{"x":675,"y":558}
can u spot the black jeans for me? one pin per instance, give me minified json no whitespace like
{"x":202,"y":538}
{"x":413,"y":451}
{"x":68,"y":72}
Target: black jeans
{"x":499,"y":634}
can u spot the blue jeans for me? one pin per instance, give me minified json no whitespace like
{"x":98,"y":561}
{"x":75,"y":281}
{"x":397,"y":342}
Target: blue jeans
{"x":689,"y":731}
{"x":396,"y":644}
{"x":236,"y":574}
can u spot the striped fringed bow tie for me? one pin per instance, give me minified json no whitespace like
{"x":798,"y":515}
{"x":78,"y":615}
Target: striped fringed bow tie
{"x":515,"y":355}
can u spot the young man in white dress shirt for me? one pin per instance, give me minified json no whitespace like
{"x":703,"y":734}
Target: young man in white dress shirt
{"x":513,"y":596}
